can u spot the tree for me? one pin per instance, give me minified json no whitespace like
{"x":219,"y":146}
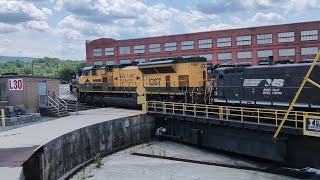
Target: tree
{"x":65,"y":74}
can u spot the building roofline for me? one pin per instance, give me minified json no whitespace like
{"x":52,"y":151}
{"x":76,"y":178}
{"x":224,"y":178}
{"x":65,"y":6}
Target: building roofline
{"x":29,"y":76}
{"x":250,"y":27}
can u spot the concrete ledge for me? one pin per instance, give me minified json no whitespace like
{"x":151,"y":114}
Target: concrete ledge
{"x":64,"y":153}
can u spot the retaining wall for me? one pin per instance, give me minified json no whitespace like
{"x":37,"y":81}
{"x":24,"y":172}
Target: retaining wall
{"x":59,"y":156}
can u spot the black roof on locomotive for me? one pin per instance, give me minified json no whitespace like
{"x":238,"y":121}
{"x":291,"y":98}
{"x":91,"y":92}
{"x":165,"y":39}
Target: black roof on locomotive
{"x":156,"y":62}
{"x":241,"y":68}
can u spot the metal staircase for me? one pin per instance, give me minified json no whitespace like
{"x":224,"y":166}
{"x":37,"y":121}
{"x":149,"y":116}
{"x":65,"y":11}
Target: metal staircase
{"x":56,"y":107}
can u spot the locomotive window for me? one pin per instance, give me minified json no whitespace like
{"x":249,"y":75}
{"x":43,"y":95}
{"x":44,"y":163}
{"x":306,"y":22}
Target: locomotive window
{"x":220,"y":76}
{"x":94,"y":72}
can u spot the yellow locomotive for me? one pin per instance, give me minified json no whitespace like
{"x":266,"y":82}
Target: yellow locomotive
{"x":177,"y":79}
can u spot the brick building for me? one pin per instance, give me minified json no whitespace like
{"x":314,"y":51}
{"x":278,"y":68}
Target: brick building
{"x":297,"y":42}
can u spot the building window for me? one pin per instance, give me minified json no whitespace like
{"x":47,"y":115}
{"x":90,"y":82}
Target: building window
{"x":264,"y":39}
{"x":138,"y":49}
{"x":140,"y":60}
{"x":154,"y":47}
{"x":243,"y":40}
{"x":287,"y":52}
{"x":209,"y":57}
{"x":97,"y":52}
{"x":124,"y":50}
{"x":224,"y":56}
{"x":309,"y":51}
{"x":110,"y":63}
{"x":125,"y":61}
{"x":187,"y":45}
{"x":187,"y":56}
{"x":265,"y":53}
{"x":224,"y":42}
{"x":97,"y":63}
{"x":286,"y":37}
{"x":170,"y":46}
{"x":154,"y":59}
{"x":109,"y":51}
{"x":205,"y":43}
{"x":311,"y":35}
{"x":244,"y":55}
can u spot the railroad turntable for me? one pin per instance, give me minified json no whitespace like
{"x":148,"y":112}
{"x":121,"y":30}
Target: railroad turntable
{"x":269,"y":112}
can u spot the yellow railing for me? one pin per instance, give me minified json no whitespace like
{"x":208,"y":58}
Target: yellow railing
{"x":3,"y":117}
{"x":228,"y":113}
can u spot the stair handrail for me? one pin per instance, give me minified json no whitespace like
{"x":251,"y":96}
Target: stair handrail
{"x":62,"y":102}
{"x":51,"y":102}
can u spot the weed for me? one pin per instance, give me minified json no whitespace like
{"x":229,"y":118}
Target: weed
{"x":98,"y":160}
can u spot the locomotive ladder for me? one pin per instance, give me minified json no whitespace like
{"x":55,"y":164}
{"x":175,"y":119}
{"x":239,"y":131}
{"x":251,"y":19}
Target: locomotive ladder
{"x":305,"y":80}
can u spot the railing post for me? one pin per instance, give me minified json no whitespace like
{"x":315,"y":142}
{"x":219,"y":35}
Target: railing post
{"x":258,"y":116}
{"x":194,"y":111}
{"x":241,"y":114}
{"x":296,"y":119}
{"x":77,"y":108}
{"x":172,"y":108}
{"x":184,"y":109}
{"x":276,"y":118}
{"x":3,"y":118}
{"x":207,"y":113}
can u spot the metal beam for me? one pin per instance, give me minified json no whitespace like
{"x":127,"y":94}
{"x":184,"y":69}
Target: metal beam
{"x":306,"y":78}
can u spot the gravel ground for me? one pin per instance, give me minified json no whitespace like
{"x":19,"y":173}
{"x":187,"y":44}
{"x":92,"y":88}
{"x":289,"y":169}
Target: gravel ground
{"x":64,"y":92}
{"x":123,"y":165}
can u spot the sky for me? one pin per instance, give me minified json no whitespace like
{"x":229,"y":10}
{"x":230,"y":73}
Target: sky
{"x":60,"y":28}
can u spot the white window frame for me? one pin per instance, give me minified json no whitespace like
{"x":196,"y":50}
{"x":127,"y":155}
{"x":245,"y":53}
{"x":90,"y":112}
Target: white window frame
{"x":110,"y":62}
{"x":309,"y":35}
{"x":154,"y":48}
{"x":244,"y":40}
{"x":123,"y":50}
{"x":244,"y":55}
{"x":97,"y":52}
{"x":224,"y":56}
{"x":264,"y":39}
{"x":209,"y":57}
{"x":287,"y":52}
{"x":139,"y":49}
{"x":309,"y":51}
{"x":141,"y":60}
{"x":264,"y":53}
{"x":224,"y":42}
{"x":187,"y":45}
{"x":285,"y":37}
{"x":109,"y":51}
{"x":205,"y":43}
{"x":125,"y":61}
{"x":170,"y":46}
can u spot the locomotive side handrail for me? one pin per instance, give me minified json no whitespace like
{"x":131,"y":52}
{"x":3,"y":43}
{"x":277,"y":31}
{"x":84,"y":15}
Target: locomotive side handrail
{"x":227,"y":113}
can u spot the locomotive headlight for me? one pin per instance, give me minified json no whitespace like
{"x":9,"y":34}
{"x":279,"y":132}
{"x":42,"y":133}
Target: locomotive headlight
{"x":204,"y":65}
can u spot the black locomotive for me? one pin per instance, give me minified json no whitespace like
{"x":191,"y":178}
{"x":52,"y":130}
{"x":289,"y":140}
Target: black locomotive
{"x":274,"y":85}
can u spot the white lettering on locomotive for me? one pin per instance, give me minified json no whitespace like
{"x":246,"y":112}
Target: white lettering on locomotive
{"x":314,"y":124}
{"x":272,"y":85}
{"x":263,"y":82}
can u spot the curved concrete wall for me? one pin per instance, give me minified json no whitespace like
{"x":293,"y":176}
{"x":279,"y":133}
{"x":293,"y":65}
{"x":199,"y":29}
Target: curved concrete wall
{"x":68,"y":151}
